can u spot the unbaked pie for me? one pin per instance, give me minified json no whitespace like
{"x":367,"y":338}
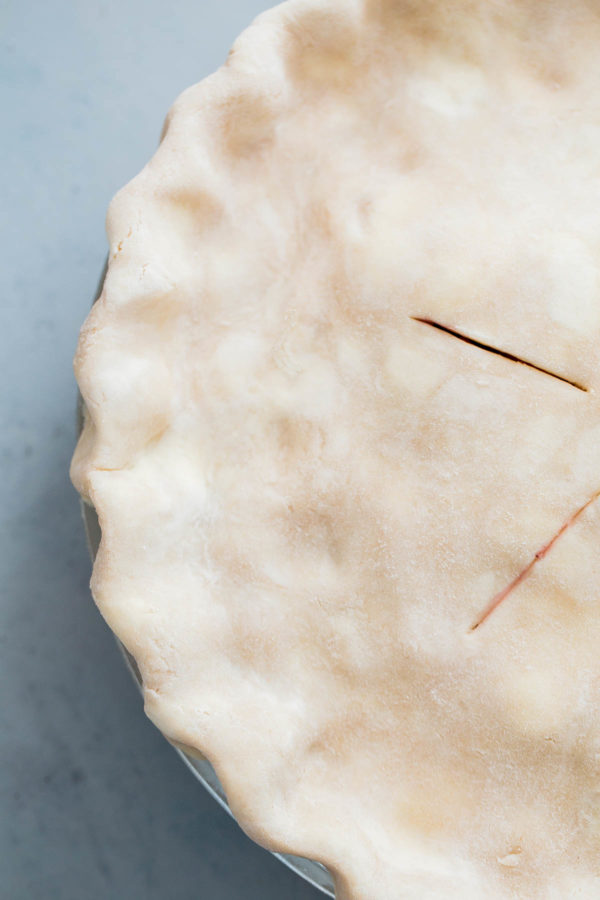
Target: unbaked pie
{"x":343,"y":438}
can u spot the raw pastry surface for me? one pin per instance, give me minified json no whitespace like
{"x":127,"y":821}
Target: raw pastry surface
{"x":353,"y":547}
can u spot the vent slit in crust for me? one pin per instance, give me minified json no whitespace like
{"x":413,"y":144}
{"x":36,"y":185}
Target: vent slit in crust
{"x":504,"y":593}
{"x":497,"y":351}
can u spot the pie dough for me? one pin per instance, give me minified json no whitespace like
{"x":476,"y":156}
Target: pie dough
{"x":311,"y":497}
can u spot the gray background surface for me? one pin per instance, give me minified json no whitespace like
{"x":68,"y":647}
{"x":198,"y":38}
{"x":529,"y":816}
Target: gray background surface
{"x":93,"y":802}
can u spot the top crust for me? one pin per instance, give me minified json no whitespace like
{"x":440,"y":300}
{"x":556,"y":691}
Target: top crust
{"x":309,"y":495}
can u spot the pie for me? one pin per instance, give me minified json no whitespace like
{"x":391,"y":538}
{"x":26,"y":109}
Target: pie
{"x":343,"y":439}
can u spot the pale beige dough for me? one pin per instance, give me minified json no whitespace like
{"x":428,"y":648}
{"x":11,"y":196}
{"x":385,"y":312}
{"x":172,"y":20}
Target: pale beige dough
{"x":308,"y":498}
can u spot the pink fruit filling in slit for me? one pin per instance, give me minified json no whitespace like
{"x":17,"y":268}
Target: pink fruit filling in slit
{"x":504,"y":593}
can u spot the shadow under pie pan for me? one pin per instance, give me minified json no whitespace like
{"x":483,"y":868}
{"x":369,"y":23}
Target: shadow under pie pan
{"x":313,"y":872}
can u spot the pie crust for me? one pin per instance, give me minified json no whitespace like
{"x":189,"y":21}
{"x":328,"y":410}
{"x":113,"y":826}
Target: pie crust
{"x":343,"y":439}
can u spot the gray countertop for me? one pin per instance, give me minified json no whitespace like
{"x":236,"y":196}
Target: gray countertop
{"x":94,"y":803}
